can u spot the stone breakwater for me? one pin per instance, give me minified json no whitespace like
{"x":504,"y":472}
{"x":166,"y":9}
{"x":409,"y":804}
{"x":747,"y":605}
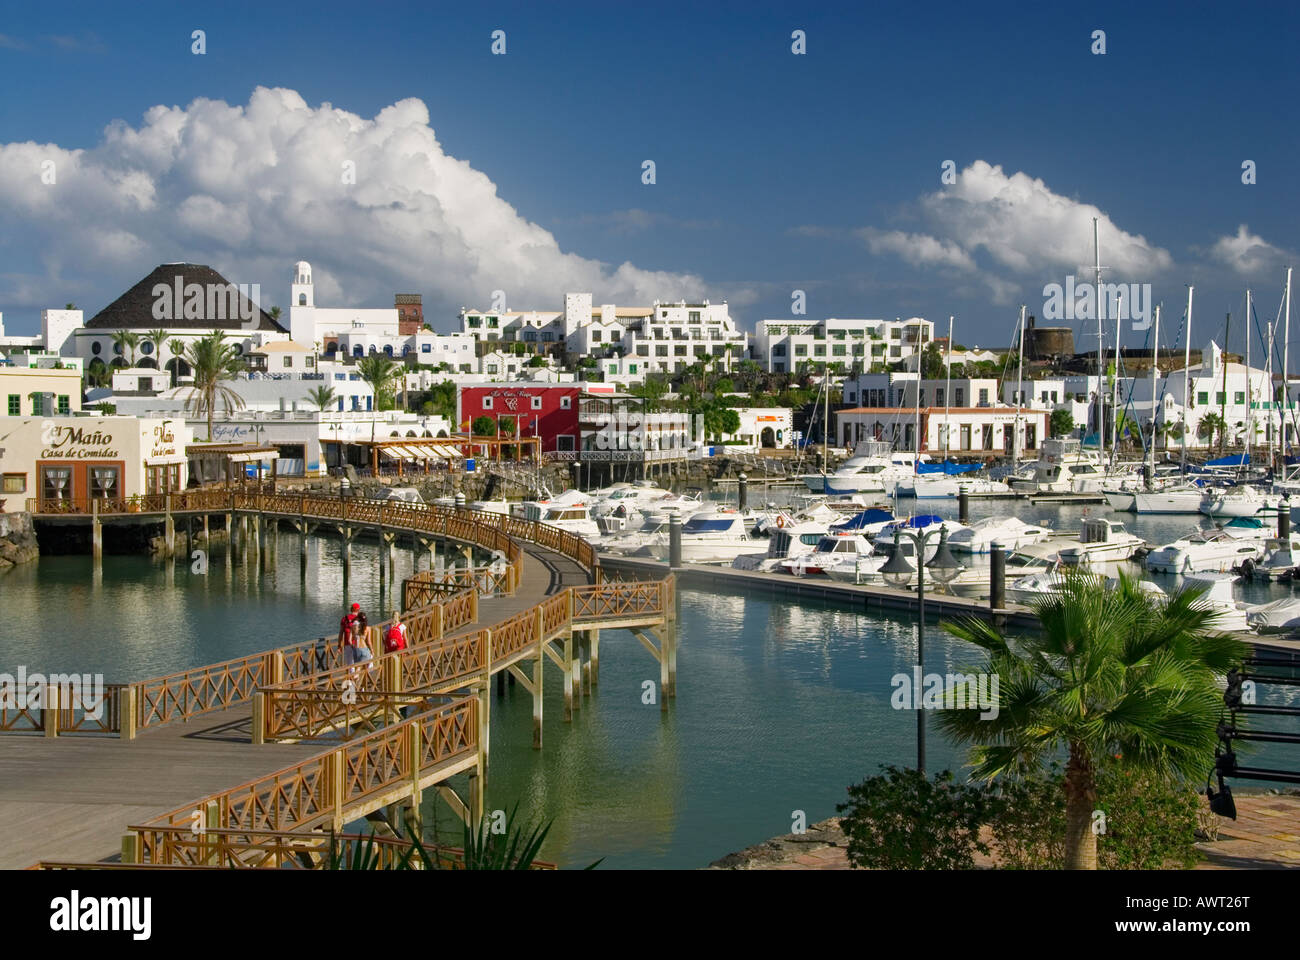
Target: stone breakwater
{"x":17,"y":540}
{"x":821,"y":846}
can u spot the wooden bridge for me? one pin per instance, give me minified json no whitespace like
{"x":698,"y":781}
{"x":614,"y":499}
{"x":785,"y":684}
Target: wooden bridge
{"x":311,"y":743}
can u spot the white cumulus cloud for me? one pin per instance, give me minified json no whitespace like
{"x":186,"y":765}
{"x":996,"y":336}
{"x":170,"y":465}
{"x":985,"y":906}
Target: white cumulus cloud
{"x":1248,"y":254}
{"x":250,"y":189}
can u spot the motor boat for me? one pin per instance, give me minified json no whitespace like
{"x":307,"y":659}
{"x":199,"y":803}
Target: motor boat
{"x":1182,"y":499}
{"x":500,"y":506}
{"x":1101,"y":541}
{"x":1204,"y":551}
{"x":710,"y":535}
{"x":1219,"y":597}
{"x":975,"y":582}
{"x":526,"y":508}
{"x":1063,"y":467}
{"x":1281,"y":557}
{"x":1249,"y":528}
{"x":571,"y":516}
{"x":1011,"y":532}
{"x":935,"y":487}
{"x":627,"y":499}
{"x":873,"y":468}
{"x":831,"y":550}
{"x":786,"y":542}
{"x":1280,"y":616}
{"x":1240,"y":501}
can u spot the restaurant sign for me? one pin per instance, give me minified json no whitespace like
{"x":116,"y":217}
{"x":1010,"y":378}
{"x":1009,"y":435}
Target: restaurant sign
{"x":64,"y":442}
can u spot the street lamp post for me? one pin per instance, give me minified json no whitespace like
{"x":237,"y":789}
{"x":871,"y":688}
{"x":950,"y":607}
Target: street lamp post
{"x":897,"y":572}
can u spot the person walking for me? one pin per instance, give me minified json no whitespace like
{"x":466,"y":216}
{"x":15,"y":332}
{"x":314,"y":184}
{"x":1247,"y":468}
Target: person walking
{"x":352,"y":637}
{"x":395,"y":636}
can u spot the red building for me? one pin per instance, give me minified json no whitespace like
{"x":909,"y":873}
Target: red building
{"x":546,"y":410}
{"x":410,"y":313}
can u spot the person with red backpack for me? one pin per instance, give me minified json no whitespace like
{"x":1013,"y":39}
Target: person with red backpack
{"x":395,"y":635}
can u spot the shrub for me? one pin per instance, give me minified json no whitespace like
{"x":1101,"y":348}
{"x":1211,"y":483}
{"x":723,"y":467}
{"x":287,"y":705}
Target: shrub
{"x":902,"y":821}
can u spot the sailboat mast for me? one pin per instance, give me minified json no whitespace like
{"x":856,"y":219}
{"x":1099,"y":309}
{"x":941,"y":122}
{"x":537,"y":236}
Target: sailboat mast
{"x":1250,"y":385}
{"x":1114,"y":400}
{"x":1101,"y":340}
{"x":1155,"y":373}
{"x":1286,"y":369}
{"x":1020,"y":393}
{"x":826,"y":417}
{"x":1272,"y":395}
{"x":947,"y":396}
{"x":1187,"y":373}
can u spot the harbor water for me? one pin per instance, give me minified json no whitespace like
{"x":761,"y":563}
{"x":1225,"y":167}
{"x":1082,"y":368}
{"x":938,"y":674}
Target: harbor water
{"x":780,"y":705}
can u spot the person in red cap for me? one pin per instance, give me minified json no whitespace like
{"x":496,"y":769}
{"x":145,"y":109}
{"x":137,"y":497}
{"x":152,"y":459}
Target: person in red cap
{"x":352,"y":637}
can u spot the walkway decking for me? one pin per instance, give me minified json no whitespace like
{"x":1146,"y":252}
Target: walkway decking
{"x":70,"y":798}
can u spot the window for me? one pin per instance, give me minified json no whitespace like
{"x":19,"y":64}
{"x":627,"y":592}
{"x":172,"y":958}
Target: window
{"x":961,"y":402}
{"x":491,"y":368}
{"x":1220,"y":398}
{"x":426,"y":348}
{"x":311,"y":361}
{"x":984,"y":398}
{"x":64,"y":406}
{"x":1241,"y":397}
{"x":1202,"y":398}
{"x":631,"y":368}
{"x":537,"y":403}
{"x":595,"y":336}
{"x":487,"y":401}
{"x":56,"y":483}
{"x":14,"y":483}
{"x":15,"y":405}
{"x":837,"y":350}
{"x":564,"y":442}
{"x":800,"y":350}
{"x":566,"y":403}
{"x":939,"y":399}
{"x":288,"y":362}
{"x":819,"y":350}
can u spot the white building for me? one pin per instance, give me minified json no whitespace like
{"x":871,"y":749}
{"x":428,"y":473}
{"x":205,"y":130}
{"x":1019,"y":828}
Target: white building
{"x":783,"y":346}
{"x":969,"y":432}
{"x":763,"y":427}
{"x":900,"y":390}
{"x":662,"y":338}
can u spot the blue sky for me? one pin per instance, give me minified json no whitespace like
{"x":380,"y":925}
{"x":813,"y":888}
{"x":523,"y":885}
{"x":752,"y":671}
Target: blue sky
{"x":774,"y":172}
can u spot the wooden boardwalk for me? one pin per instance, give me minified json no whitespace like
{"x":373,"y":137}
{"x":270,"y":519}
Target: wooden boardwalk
{"x":70,"y":798}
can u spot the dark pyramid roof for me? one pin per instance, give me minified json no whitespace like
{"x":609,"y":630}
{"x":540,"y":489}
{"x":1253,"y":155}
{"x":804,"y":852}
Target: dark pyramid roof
{"x":133,"y":310}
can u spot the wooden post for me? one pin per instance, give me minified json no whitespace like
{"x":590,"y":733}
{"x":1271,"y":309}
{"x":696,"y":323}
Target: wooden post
{"x":169,"y":528}
{"x":333,"y":764}
{"x":594,"y":661}
{"x":537,"y":697}
{"x":670,"y":642}
{"x":575,"y":669}
{"x":584,"y":655}
{"x":127,"y":708}
{"x":131,"y":848}
{"x":485,"y":706}
{"x":665,"y":681}
{"x":259,"y":718}
{"x":96,"y":535}
{"x":568,"y":676}
{"x":212,"y":821}
{"x":476,"y":800}
{"x":50,"y":710}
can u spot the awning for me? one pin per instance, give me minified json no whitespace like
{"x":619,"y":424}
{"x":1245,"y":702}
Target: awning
{"x":258,"y":455}
{"x":167,"y":460}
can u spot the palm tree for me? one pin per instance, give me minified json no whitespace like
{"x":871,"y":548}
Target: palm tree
{"x":157,"y":338}
{"x":212,"y":362}
{"x":378,"y":371}
{"x":1209,"y":425}
{"x":322,"y":396}
{"x":1110,"y":673}
{"x":177,"y":347}
{"x":126,"y":341}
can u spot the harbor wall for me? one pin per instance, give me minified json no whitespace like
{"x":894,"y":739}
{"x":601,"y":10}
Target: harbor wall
{"x":17,"y":540}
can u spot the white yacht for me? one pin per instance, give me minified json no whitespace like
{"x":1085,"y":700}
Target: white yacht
{"x":1063,"y":467}
{"x":1101,"y":541}
{"x":936,"y":486}
{"x":869,"y":522}
{"x":786,"y":542}
{"x":571,"y":516}
{"x":1242,"y":501}
{"x":873,"y":468}
{"x":1181,"y":499}
{"x":628,"y":498}
{"x":1249,"y":528}
{"x":922,"y":524}
{"x":1036,"y":558}
{"x":711,"y":535}
{"x":1204,"y":551}
{"x":832,"y":550}
{"x":1012,"y":532}
{"x":1219,"y":597}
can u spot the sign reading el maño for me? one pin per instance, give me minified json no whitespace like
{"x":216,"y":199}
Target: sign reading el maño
{"x":63,"y":442}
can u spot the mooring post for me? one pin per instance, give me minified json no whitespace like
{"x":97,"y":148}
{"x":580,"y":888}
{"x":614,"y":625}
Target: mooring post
{"x":742,"y":491}
{"x":997,"y":577}
{"x":538,"y":673}
{"x":1284,"y":519}
{"x":169,"y":528}
{"x":674,"y":541}
{"x":963,"y":504}
{"x":96,"y":535}
{"x":593,"y":661}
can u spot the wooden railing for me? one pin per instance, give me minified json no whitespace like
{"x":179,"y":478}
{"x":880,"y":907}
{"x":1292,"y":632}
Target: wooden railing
{"x":329,"y":788}
{"x":312,"y":706}
{"x":301,"y":850}
{"x":202,"y":690}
